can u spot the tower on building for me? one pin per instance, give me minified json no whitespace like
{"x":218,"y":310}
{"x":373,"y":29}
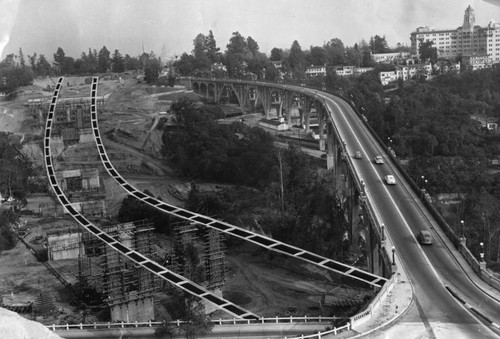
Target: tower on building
{"x":469,"y":19}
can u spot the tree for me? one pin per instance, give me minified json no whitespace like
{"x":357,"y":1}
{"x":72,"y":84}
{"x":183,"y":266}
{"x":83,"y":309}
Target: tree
{"x":253,"y":47}
{"x":427,"y":52}
{"x":378,"y":44}
{"x":103,"y":60}
{"x":213,"y":52}
{"x":8,"y":238}
{"x":296,"y":61}
{"x":316,"y":56}
{"x":59,"y":61}
{"x":118,"y":63}
{"x":353,"y":56}
{"x":277,"y":54}
{"x":131,"y":63}
{"x":152,"y":70}
{"x":43,"y":66}
{"x":200,"y":53}
{"x":21,"y":58}
{"x":270,"y":72}
{"x":335,"y":52}
{"x":236,"y":53}
{"x":185,"y":64}
{"x":32,"y":61}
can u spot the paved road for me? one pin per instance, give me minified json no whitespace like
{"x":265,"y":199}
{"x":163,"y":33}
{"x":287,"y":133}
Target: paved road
{"x":429,"y":268}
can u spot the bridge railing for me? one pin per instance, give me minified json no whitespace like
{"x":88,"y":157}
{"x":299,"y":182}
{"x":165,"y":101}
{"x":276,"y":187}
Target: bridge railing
{"x":365,"y":315}
{"x":234,"y":321}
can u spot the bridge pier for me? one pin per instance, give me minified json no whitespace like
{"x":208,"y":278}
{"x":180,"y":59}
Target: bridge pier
{"x":321,"y":117}
{"x":331,"y":150}
{"x":306,"y":113}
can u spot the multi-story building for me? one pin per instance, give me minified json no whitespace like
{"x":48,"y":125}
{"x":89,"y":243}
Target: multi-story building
{"x":314,"y":71}
{"x":467,"y":40}
{"x":388,"y":58}
{"x":346,"y":71}
{"x":405,"y":73}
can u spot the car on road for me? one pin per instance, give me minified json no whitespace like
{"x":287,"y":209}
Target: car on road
{"x":389,"y":179}
{"x":424,"y":237}
{"x":378,"y":160}
{"x":358,"y":155}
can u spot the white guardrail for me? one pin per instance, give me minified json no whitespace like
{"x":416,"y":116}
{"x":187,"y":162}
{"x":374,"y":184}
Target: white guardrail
{"x":234,"y":321}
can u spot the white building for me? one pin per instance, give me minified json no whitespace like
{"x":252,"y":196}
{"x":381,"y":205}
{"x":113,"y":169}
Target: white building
{"x":466,"y":40}
{"x":351,"y":70}
{"x":405,"y":73}
{"x":315,"y":71}
{"x":388,"y":58}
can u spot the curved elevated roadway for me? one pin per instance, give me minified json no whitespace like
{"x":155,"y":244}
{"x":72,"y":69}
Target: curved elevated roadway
{"x":432,"y":268}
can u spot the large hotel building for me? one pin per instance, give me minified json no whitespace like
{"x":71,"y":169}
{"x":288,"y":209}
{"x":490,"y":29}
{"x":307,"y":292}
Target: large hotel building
{"x":468,"y":40}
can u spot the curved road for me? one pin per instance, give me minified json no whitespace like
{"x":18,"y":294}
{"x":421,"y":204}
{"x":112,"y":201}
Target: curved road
{"x":429,"y":268}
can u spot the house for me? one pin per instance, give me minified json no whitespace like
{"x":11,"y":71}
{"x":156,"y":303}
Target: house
{"x":315,"y":71}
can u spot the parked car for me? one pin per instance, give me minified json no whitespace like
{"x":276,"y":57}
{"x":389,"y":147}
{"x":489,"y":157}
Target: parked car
{"x":358,"y":155}
{"x":424,"y":237}
{"x":390,"y":180}
{"x":378,"y":160}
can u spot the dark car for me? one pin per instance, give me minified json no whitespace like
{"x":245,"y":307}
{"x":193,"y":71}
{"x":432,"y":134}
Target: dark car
{"x":424,"y":237}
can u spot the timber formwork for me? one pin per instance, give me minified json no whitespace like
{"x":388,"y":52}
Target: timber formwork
{"x":211,"y":249}
{"x":118,"y":279}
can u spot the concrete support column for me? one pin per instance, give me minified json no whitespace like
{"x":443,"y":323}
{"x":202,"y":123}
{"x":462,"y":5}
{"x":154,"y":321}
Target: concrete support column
{"x":376,"y":259}
{"x":306,"y":113}
{"x":241,"y":92}
{"x":280,"y":110}
{"x":219,"y":87}
{"x":330,"y":147}
{"x":371,"y":244}
{"x":321,"y":117}
{"x":288,"y":107}
{"x":266,"y":99}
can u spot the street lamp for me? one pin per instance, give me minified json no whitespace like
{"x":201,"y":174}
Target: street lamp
{"x":382,"y":226}
{"x":393,"y":255}
{"x":481,"y":254}
{"x":462,"y":228}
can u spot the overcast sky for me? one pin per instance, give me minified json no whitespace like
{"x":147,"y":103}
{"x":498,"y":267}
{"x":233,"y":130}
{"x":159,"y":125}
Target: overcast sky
{"x":168,"y":27}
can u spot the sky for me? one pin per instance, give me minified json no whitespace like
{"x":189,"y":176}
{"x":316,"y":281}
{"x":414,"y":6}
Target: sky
{"x":168,"y":27}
